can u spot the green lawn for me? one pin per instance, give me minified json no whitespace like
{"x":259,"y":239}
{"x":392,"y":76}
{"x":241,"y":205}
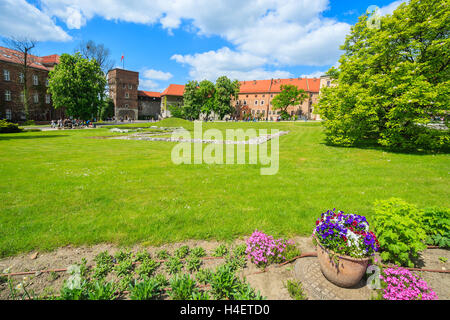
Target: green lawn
{"x":61,"y":187}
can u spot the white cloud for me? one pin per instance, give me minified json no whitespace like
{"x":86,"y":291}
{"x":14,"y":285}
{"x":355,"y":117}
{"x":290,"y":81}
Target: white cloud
{"x":315,"y":74}
{"x":390,"y":8}
{"x":235,"y":65}
{"x":20,"y":19}
{"x":265,"y":34}
{"x":157,"y":75}
{"x":149,"y":85}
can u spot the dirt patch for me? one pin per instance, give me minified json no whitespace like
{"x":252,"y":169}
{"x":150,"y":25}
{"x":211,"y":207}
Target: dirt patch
{"x":270,"y":283}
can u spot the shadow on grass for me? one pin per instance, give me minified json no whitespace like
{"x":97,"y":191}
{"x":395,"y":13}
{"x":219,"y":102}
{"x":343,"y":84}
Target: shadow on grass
{"x":377,"y":147}
{"x":2,"y":137}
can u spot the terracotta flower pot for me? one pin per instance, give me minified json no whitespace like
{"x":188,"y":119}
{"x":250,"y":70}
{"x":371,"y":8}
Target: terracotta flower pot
{"x":344,"y":272}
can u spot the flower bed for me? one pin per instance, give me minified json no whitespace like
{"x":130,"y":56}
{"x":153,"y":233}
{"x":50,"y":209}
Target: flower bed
{"x":402,"y":284}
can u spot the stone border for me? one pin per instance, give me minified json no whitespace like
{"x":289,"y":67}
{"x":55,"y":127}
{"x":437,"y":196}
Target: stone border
{"x":149,"y":137}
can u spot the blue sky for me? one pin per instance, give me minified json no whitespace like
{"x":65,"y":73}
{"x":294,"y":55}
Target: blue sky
{"x":173,"y":41}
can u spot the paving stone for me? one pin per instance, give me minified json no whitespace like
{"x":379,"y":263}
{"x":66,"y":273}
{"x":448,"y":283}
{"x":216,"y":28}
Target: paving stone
{"x":317,"y":287}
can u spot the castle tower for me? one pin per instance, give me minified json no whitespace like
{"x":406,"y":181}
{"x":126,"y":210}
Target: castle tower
{"x":123,"y":90}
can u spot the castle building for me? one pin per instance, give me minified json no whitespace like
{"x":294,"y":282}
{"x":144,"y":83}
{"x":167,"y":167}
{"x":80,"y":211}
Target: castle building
{"x":12,"y":80}
{"x":254,"y":97}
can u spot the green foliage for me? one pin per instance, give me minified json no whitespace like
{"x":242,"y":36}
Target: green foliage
{"x":246,"y":292}
{"x":77,"y":85}
{"x":104,"y":265}
{"x":174,"y":265}
{"x":107,"y":109}
{"x":124,"y":268}
{"x":162,"y":280}
{"x":295,"y":290}
{"x":391,"y":81}
{"x":436,"y":223}
{"x":176,"y":111}
{"x":147,"y":267}
{"x":141,"y":256}
{"x":123,"y":255}
{"x":200,"y":295}
{"x":162,"y":255}
{"x":29,"y":123}
{"x":225,"y":89}
{"x":204,"y":276}
{"x":220,"y":251}
{"x":224,"y":282}
{"x":183,"y":287}
{"x":239,"y":251}
{"x":198,"y":252}
{"x":290,"y":95}
{"x":443,"y":259}
{"x":148,"y":288}
{"x":397,"y":226}
{"x":68,"y":292}
{"x":8,"y":127}
{"x":291,"y":251}
{"x":100,"y":290}
{"x":193,"y":264}
{"x":181,"y":252}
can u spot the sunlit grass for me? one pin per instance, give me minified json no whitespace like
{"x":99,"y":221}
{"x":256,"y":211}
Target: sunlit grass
{"x":63,"y":187}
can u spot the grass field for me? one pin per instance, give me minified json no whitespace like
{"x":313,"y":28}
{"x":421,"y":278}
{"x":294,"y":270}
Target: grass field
{"x":60,"y":187}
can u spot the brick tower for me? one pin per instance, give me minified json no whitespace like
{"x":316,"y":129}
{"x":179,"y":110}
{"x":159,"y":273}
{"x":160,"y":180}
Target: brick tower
{"x":123,"y":90}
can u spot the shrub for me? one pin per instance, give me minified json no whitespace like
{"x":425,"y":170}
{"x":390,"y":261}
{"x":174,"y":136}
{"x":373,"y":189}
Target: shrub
{"x":29,"y":123}
{"x":224,"y":282}
{"x":204,"y":276}
{"x":193,"y":264}
{"x":74,"y":292}
{"x":141,"y":256}
{"x":402,"y":284}
{"x":124,"y":268}
{"x":399,"y":231}
{"x":183,"y":287}
{"x":436,"y":223}
{"x":146,"y":289}
{"x":104,"y":264}
{"x":163,"y":255}
{"x":8,"y":127}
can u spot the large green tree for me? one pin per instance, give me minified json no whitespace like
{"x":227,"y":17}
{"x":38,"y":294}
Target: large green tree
{"x":225,"y":90}
{"x":78,"y":85}
{"x":290,"y":95}
{"x":392,"y":80}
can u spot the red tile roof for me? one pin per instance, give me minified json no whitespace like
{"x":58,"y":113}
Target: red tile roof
{"x":14,"y":56}
{"x":151,"y":94}
{"x":274,"y":85}
{"x":173,"y":90}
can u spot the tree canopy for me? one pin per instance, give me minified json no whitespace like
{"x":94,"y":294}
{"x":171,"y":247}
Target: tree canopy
{"x":392,"y":80}
{"x":290,"y":95}
{"x":208,"y":98}
{"x":77,"y":84}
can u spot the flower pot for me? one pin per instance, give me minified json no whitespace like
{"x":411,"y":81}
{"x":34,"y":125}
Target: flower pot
{"x":343,"y":271}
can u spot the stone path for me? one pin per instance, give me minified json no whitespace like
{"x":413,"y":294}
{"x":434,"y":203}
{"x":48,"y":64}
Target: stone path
{"x":317,"y":287}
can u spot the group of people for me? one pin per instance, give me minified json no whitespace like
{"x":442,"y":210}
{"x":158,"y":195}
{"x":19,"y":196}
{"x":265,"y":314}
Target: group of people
{"x":72,"y":123}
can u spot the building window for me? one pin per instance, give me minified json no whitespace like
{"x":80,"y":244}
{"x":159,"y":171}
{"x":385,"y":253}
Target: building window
{"x":124,"y":86}
{"x":36,"y":98}
{"x":7,"y":95}
{"x":47,"y":99}
{"x":246,"y":96}
{"x":22,"y":96}
{"x":35,"y":80}
{"x":46,"y":82}
{"x":127,"y":95}
{"x":130,"y":86}
{"x":8,"y":114}
{"x":256,"y":102}
{"x":245,"y":102}
{"x":262,"y":102}
{"x":126,"y":106}
{"x":21,"y":77}
{"x":6,"y":76}
{"x":328,"y":83}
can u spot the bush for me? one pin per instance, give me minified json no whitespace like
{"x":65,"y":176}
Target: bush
{"x":100,"y":290}
{"x":29,"y":123}
{"x":436,"y":223}
{"x":399,"y":231}
{"x":8,"y":127}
